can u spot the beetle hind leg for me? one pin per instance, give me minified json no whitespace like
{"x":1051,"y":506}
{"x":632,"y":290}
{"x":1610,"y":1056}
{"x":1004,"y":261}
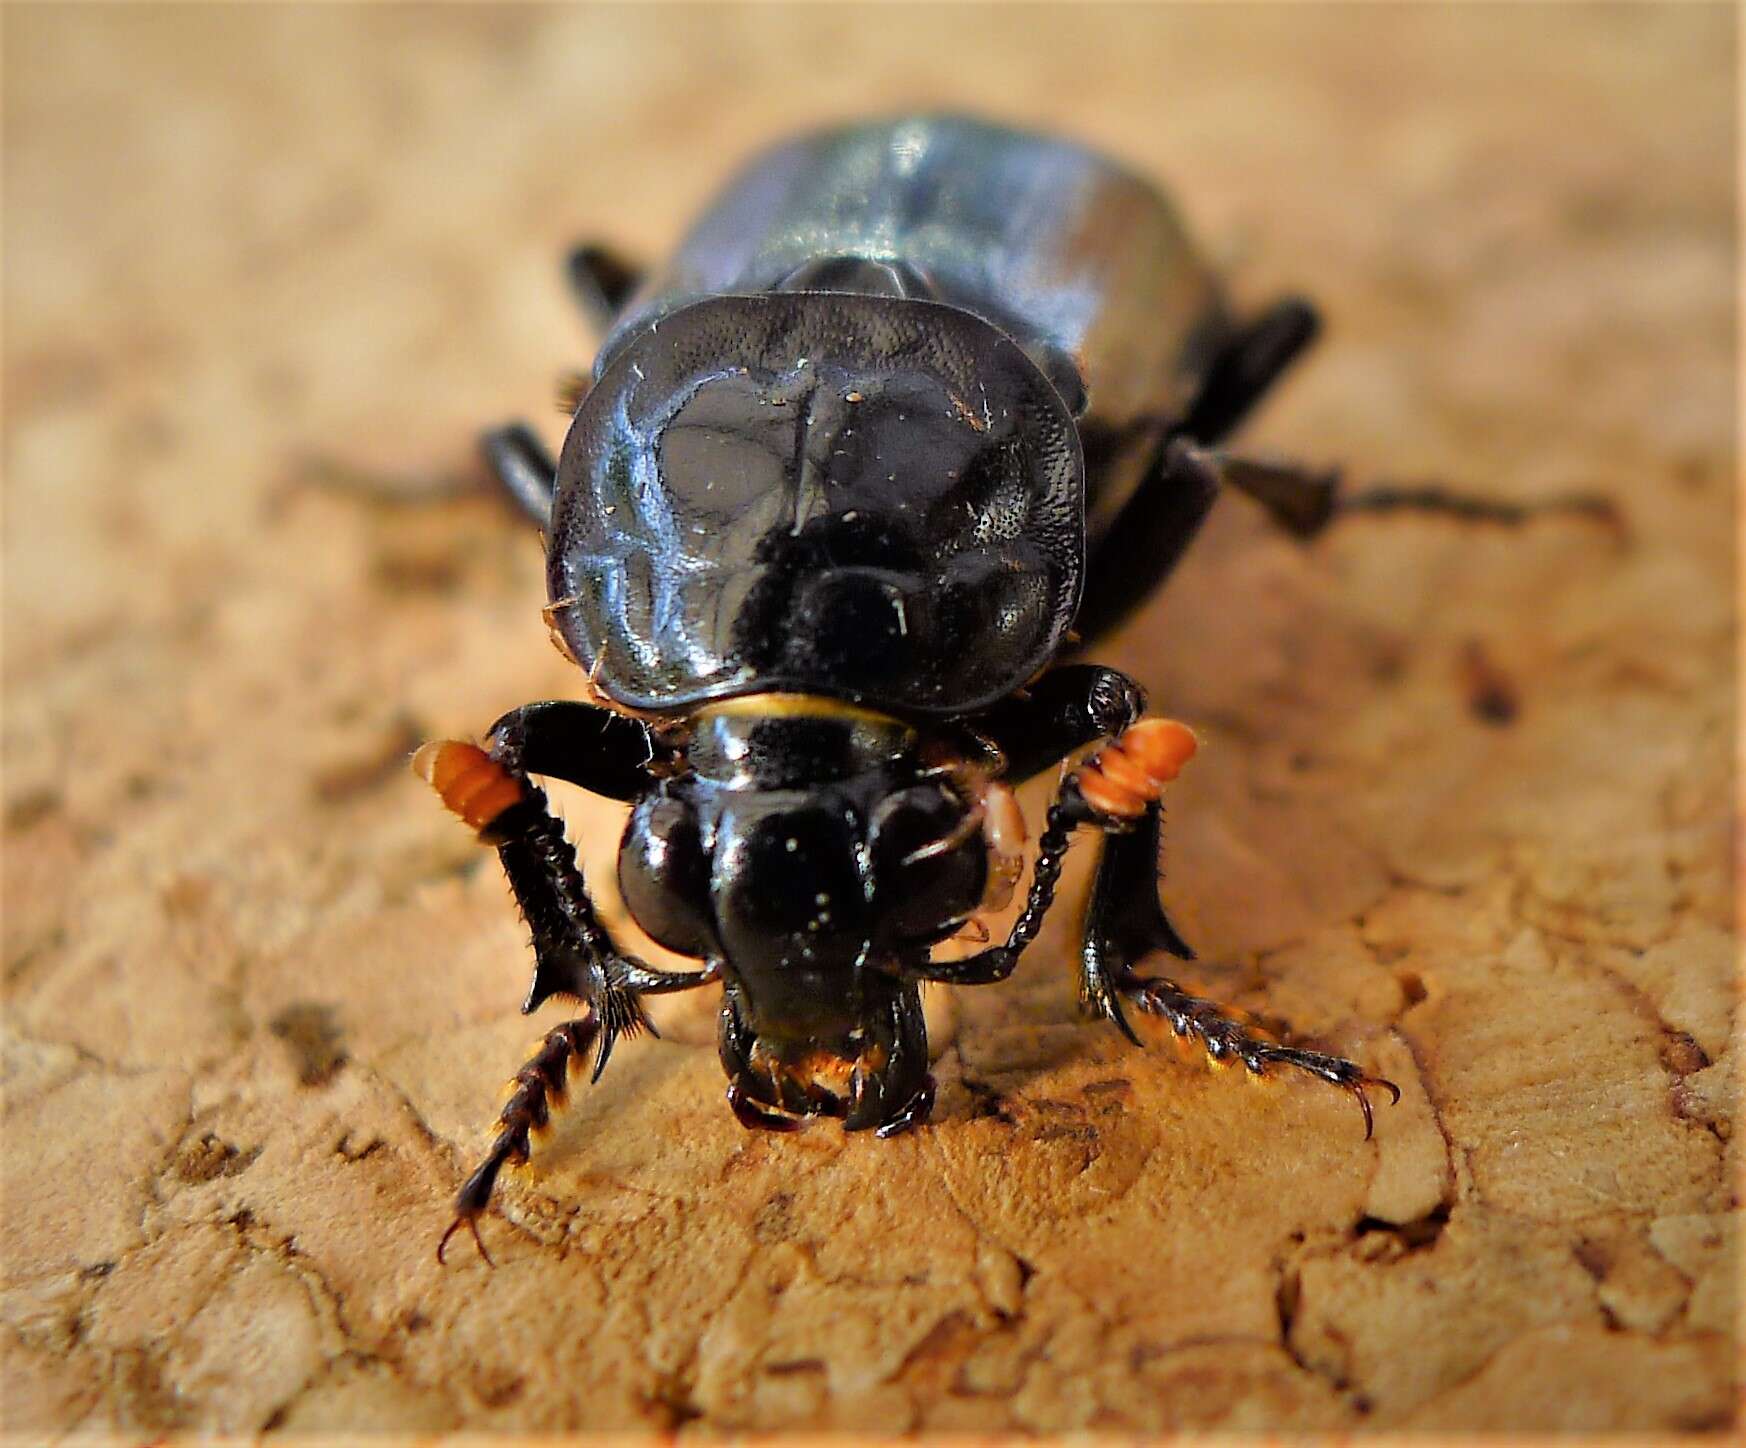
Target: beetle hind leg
{"x":1306,"y":500}
{"x":1249,"y":365}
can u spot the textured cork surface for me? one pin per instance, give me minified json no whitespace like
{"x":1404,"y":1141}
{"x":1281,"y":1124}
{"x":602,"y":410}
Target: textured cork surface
{"x":1463,"y":809}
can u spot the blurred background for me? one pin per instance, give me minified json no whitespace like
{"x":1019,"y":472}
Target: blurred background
{"x":1465,"y":807}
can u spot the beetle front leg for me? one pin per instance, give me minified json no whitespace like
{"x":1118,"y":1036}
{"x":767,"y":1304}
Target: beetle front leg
{"x":1126,"y":922}
{"x":539,"y":1085}
{"x":573,"y":953}
{"x":1067,"y":708}
{"x":1225,"y":1038}
{"x":603,"y":752}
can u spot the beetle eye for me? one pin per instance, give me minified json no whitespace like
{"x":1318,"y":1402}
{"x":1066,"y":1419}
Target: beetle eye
{"x":929,"y":864}
{"x":663,"y":874}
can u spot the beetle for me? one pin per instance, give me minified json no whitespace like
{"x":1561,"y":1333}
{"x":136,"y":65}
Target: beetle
{"x":917,"y":408}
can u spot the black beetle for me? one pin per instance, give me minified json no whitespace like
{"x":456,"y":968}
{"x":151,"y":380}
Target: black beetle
{"x":916,"y":407}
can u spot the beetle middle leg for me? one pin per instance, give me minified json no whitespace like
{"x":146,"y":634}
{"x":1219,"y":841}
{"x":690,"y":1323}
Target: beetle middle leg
{"x":601,"y":281}
{"x":523,"y":468}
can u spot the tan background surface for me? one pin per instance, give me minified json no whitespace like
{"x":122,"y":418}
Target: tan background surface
{"x":260,"y":993}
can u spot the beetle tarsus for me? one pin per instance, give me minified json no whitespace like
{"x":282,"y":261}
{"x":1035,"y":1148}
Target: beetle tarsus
{"x":1225,"y":1038}
{"x":1470,"y":508}
{"x":539,"y":1085}
{"x":471,"y":1221}
{"x":1306,"y":501}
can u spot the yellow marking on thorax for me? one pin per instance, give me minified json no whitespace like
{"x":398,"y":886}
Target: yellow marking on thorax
{"x":796,"y":706}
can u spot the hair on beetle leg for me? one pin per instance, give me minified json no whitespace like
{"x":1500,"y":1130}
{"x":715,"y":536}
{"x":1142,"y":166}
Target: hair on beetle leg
{"x":571,"y":390}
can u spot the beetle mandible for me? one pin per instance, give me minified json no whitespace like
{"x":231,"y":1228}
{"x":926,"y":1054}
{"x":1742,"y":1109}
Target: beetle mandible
{"x":916,"y":407}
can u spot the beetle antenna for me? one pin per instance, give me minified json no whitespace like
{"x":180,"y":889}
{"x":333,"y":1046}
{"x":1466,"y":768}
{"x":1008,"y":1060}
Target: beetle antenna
{"x":963,"y":830}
